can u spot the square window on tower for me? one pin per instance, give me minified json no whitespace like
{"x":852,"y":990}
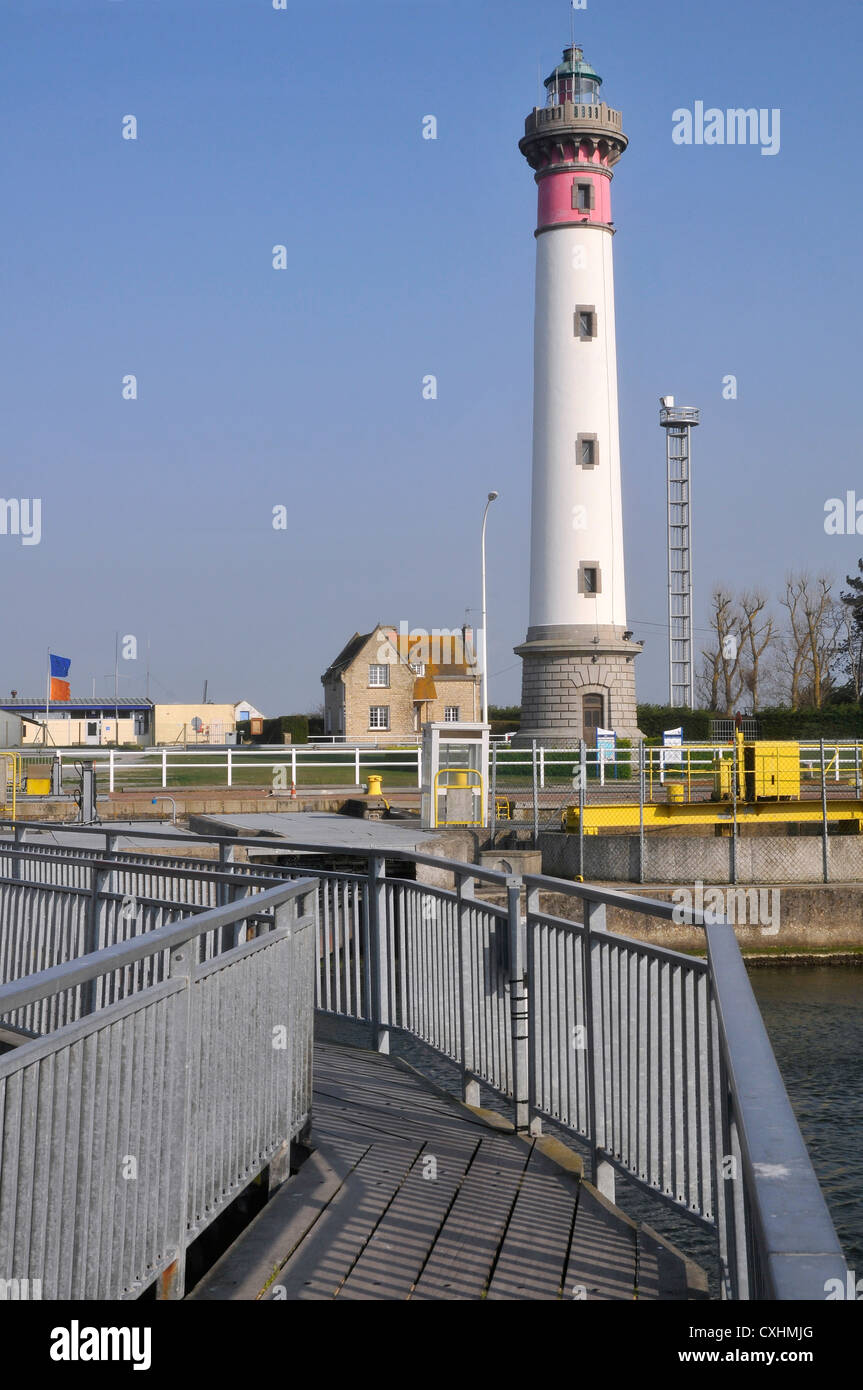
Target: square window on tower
{"x":585,"y":322}
{"x":589,"y":581}
{"x":587,"y":451}
{"x":583,"y":197}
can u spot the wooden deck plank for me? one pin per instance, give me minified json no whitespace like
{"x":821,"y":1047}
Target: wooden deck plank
{"x":326,"y":1256}
{"x":392,"y":1262}
{"x":462,"y":1260}
{"x":602,"y":1257}
{"x":664,"y":1272}
{"x":533,"y":1257}
{"x":365,"y":1219}
{"x":245,"y":1269}
{"x":341,"y":1119}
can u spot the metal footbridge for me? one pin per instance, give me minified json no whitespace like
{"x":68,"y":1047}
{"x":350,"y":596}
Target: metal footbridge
{"x":158,"y":1055}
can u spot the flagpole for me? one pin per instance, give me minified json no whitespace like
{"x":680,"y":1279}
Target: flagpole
{"x":47,"y":695}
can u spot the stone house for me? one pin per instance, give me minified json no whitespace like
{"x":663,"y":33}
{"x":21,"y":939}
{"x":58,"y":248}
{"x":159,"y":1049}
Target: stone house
{"x":385,"y":684}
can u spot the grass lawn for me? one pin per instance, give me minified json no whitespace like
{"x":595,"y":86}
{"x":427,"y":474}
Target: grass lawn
{"x":246,"y":775}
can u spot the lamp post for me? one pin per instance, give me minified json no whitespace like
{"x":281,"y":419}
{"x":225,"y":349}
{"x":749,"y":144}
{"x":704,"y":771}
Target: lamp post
{"x":492,"y":496}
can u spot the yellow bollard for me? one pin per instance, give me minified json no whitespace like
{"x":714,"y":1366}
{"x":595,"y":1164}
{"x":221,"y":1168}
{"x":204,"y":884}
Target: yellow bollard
{"x":459,"y":779}
{"x":376,"y":783}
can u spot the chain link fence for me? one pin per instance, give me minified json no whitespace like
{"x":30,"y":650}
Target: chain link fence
{"x":743,"y":811}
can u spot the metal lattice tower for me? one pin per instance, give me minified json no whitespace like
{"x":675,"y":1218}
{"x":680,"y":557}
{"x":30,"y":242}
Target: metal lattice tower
{"x":678,"y":422}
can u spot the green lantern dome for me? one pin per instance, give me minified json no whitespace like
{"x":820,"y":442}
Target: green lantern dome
{"x":573,"y":80}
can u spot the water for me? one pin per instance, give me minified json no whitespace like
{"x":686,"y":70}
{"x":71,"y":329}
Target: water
{"x":814,"y":1016}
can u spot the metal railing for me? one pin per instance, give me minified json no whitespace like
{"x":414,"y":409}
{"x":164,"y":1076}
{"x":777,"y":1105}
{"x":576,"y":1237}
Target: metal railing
{"x":657,"y":1061}
{"x":174,"y":1066}
{"x":340,"y":765}
{"x":804,"y":799}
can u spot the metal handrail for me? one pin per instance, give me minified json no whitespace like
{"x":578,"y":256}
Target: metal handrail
{"x":774,"y":1231}
{"x":212,"y":1108}
{"x":799,"y":1250}
{"x":69,"y":974}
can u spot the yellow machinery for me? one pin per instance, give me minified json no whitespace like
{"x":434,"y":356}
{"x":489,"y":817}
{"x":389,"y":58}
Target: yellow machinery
{"x":38,"y":779}
{"x":10,"y":780}
{"x":765,"y":772}
{"x":768,"y":791}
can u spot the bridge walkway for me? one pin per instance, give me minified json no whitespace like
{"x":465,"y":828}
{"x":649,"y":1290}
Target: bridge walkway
{"x":409,"y":1194}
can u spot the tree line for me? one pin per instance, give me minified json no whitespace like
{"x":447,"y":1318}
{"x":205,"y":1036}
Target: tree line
{"x":802,"y":653}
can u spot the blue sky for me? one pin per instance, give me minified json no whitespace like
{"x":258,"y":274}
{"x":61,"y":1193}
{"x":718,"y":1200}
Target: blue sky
{"x":302,"y":387}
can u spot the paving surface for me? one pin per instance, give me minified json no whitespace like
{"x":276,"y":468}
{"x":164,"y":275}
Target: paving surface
{"x":123,"y":830}
{"x":321,"y":828}
{"x":410,"y":1195}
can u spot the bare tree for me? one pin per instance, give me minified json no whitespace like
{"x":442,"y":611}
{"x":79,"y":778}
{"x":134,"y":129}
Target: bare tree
{"x":757,"y":632}
{"x":812,"y":641}
{"x":793,"y":646}
{"x":707,"y":679}
{"x":824,"y":632}
{"x":721,"y":676}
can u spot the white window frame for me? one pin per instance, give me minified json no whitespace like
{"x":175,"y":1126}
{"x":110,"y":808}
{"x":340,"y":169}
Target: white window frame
{"x":376,"y":668}
{"x":451,"y":714}
{"x":377,"y":712}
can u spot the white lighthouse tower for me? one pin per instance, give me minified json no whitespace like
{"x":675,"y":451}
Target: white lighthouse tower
{"x":578,"y":671}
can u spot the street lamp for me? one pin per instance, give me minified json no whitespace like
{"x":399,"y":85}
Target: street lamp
{"x":492,"y":496}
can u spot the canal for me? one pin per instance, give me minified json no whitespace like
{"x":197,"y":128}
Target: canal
{"x":814,"y":1016}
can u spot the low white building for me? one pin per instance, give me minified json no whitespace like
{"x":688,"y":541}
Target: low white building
{"x":11,"y":730}
{"x":244,"y":710}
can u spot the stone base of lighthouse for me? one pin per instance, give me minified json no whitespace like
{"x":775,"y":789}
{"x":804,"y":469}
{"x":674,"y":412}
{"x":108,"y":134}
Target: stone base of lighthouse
{"x":573,"y":679}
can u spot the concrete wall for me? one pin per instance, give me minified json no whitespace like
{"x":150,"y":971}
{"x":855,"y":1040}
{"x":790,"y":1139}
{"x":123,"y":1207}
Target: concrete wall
{"x":683,"y":859}
{"x":72,"y":733}
{"x":173,"y":723}
{"x":814,"y":917}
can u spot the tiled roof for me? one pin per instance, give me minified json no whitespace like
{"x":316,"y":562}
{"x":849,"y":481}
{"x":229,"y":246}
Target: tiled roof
{"x":410,"y":647}
{"x":349,"y":653}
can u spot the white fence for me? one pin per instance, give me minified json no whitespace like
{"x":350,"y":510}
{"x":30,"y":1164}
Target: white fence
{"x":168,"y":768}
{"x":343,"y":765}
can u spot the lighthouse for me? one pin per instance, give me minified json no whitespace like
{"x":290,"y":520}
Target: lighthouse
{"x":578,"y":657}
